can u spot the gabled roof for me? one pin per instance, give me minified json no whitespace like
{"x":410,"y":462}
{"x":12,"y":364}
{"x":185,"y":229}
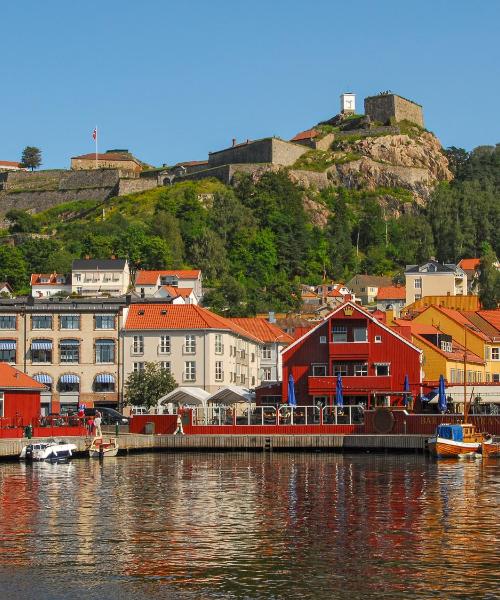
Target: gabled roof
{"x":469,"y":264}
{"x":364,"y":313}
{"x":36,"y":279}
{"x":432,"y":266}
{"x":111,"y":264}
{"x":459,"y":318}
{"x":12,"y":379}
{"x":177,"y":292}
{"x":486,"y":323}
{"x":457,"y":353}
{"x":260,"y":328}
{"x":492,"y":316}
{"x":178,"y":317}
{"x":9,"y":163}
{"x":151,"y":277}
{"x":391,"y":292}
{"x":5,"y":284}
{"x":308,"y":134}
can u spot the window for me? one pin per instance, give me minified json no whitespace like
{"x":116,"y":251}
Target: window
{"x":8,"y":351}
{"x":382,"y":370}
{"x":41,"y":351}
{"x":340,"y":369}
{"x":164,"y":344}
{"x":219,"y":347}
{"x":166,"y":366}
{"x":418,"y":283}
{"x":418,"y":296}
{"x":69,"y":383}
{"x":453,"y":376}
{"x":69,"y":351}
{"x":104,"y":351}
{"x":138,"y":344}
{"x":7,"y":321}
{"x":189,"y":344}
{"x":496,"y":377}
{"x":322,"y":339}
{"x":495,"y":354}
{"x":267,"y":374}
{"x":360,"y":369}
{"x":360,"y":334}
{"x":104,"y":321}
{"x":41,"y":322}
{"x":378,"y":339}
{"x":446,"y":346}
{"x":69,"y":322}
{"x":78,"y":277}
{"x":171,"y":280}
{"x":45,"y":379}
{"x":488,"y":377}
{"x":319,"y":370}
{"x":104,"y":382}
{"x":138,"y":366}
{"x":267,"y":352}
{"x":219,"y":370}
{"x":339,"y":333}
{"x":2,"y":413}
{"x":487,"y":353}
{"x":189,"y":370}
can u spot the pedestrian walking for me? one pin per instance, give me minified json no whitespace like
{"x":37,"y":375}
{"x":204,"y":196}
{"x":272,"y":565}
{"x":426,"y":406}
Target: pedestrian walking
{"x":97,"y":424}
{"x":179,"y":426}
{"x":90,"y":425}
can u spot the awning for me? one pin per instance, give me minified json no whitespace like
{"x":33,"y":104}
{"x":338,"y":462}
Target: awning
{"x":69,"y":342}
{"x":104,"y":342}
{"x":42,"y":345}
{"x":69,"y":378}
{"x":186,"y":395}
{"x":42,"y":378}
{"x":105,"y":378}
{"x":232,"y":394}
{"x":8,"y":345}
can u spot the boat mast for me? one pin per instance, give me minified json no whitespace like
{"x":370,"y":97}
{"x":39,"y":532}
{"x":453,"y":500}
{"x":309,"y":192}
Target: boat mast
{"x":465,"y":375}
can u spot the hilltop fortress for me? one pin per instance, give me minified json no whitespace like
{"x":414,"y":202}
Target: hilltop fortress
{"x":386,"y":146}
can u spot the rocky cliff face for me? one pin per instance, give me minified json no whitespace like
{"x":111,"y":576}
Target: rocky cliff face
{"x":413,"y":163}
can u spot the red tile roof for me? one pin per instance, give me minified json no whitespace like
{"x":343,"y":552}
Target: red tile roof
{"x":260,"y":328}
{"x":177,"y":292}
{"x":461,"y":319}
{"x":391,"y":292}
{"x":492,"y":316}
{"x":9,"y":163}
{"x":179,"y":316}
{"x":305,"y":135}
{"x":11,"y":378}
{"x":469,"y":264}
{"x":52,"y":277}
{"x":151,"y":277}
{"x":418,"y":328}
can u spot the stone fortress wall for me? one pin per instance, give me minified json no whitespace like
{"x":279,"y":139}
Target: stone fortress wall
{"x":386,"y":107}
{"x":268,"y":150}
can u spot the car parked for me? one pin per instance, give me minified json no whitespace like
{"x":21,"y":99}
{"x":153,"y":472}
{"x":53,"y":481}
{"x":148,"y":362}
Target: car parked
{"x":110,"y":416}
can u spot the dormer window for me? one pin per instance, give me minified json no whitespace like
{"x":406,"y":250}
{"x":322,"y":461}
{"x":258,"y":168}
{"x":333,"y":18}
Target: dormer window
{"x":44,"y":280}
{"x":432,"y":268}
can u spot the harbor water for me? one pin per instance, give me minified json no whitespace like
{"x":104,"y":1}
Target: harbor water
{"x":263,"y":525}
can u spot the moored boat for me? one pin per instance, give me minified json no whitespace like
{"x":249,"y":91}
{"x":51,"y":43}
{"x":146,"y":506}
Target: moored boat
{"x":490,"y":449}
{"x":51,"y":451}
{"x":457,"y":440}
{"x":102,"y":449}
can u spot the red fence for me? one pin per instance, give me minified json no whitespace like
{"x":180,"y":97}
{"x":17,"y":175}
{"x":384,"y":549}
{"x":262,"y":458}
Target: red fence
{"x":163,"y":424}
{"x":51,"y":426}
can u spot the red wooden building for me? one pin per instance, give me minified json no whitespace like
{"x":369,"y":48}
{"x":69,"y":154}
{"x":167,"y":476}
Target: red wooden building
{"x":372,"y":359}
{"x":19,"y":397}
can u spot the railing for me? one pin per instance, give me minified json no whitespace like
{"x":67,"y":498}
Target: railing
{"x":284,"y":415}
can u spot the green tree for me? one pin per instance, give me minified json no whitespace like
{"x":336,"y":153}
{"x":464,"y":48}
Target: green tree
{"x":342,"y":259}
{"x":489,"y":279}
{"x":21,"y":221}
{"x":166,"y":226}
{"x":13,"y":267}
{"x":146,"y":387}
{"x":31,"y":157}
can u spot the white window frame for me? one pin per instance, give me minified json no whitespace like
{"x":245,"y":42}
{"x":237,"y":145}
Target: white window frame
{"x":378,"y":339}
{"x":339,"y":330}
{"x":190,"y":344}
{"x":165,"y":346}
{"x":10,"y":317}
{"x":166,"y":365}
{"x":495,"y":353}
{"x":138,"y":344}
{"x":357,"y":329}
{"x":138,"y":366}
{"x":78,"y":321}
{"x":361,"y":370}
{"x":417,"y":284}
{"x":322,"y":339}
{"x":388,"y":365}
{"x":319,"y":367}
{"x":267,"y":374}
{"x":219,"y":346}
{"x":189,"y":370}
{"x":219,"y":370}
{"x":44,"y":317}
{"x":267,"y":352}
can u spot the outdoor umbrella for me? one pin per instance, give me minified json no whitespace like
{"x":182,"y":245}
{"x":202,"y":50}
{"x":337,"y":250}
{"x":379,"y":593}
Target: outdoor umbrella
{"x":406,"y":389}
{"x":292,"y":401}
{"x":339,"y":392}
{"x":442,"y":406}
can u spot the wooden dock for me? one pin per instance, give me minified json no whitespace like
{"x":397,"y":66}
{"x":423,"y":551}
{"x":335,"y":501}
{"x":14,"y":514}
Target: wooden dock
{"x":10,"y":448}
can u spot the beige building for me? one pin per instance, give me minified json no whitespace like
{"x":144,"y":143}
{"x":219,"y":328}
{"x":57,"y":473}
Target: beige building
{"x":199,"y":348}
{"x":434,"y":279}
{"x":93,"y":277}
{"x":112,"y":159}
{"x":71,"y":346}
{"x":365,"y":287}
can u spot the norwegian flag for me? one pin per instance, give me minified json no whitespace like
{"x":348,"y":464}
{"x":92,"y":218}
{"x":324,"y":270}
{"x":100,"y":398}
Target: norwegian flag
{"x":94,"y":134}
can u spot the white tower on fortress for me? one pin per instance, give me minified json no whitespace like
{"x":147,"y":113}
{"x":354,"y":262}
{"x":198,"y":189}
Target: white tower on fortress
{"x":347,"y":103}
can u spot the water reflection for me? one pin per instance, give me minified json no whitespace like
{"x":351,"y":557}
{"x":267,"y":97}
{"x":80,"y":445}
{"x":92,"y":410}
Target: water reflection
{"x":251,"y":526}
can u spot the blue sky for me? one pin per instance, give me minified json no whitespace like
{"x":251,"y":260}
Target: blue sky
{"x":172,"y":81}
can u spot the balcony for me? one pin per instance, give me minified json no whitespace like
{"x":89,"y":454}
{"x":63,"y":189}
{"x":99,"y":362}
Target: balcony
{"x":318,"y":386}
{"x":349,"y":349}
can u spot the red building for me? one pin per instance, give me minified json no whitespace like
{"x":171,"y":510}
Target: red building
{"x":372,"y":358}
{"x":19,"y":397}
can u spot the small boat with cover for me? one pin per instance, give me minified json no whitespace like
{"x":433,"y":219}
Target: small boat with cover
{"x":101,"y":449}
{"x":457,"y":440}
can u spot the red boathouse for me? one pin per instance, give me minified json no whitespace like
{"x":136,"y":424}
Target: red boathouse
{"x":372,"y":358}
{"x":19,"y":397}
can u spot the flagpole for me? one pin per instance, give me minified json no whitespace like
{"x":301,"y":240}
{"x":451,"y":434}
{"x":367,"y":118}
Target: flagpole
{"x":96,"y":146}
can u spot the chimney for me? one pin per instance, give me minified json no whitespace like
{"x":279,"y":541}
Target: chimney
{"x":234,"y":142}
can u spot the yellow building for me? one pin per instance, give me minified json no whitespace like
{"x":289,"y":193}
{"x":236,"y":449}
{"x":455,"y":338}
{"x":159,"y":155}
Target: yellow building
{"x":112,"y":159}
{"x":471,"y":330}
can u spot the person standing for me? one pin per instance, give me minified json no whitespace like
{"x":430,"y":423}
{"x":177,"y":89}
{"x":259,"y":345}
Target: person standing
{"x":97,"y":424}
{"x":179,"y":425}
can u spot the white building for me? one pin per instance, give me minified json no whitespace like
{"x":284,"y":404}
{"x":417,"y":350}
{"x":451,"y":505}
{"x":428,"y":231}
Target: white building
{"x":44,"y":285}
{"x":93,"y":277}
{"x":347,"y":103}
{"x":8,"y":165}
{"x":148,"y":283}
{"x":198,"y":347}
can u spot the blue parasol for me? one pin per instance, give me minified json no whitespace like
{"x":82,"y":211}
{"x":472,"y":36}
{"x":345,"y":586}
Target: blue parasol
{"x":339,"y":392}
{"x":442,"y":406}
{"x":292,"y":400}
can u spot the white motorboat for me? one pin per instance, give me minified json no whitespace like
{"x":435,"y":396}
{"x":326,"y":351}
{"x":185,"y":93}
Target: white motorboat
{"x":48,"y":450}
{"x":101,"y":449}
